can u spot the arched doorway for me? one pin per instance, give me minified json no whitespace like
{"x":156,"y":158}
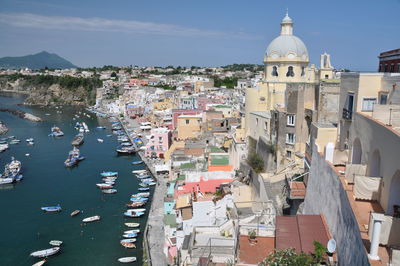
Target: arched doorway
{"x":374,"y":168}
{"x":357,"y":152}
{"x":394,"y":195}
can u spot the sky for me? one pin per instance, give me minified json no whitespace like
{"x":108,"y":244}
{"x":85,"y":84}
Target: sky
{"x":201,"y":33}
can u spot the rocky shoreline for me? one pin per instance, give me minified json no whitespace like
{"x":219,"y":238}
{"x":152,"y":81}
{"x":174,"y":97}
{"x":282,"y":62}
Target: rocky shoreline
{"x":22,"y":114}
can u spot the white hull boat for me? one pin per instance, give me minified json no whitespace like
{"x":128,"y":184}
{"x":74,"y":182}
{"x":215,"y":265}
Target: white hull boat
{"x":132,"y":225}
{"x":91,"y":219}
{"x":40,"y":263}
{"x":56,"y":243}
{"x":127,"y":259}
{"x":45,"y":252}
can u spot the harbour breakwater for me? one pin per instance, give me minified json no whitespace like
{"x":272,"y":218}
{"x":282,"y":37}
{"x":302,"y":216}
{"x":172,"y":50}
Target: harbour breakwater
{"x":22,"y":114}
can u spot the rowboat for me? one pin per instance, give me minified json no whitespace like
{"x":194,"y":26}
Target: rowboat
{"x":133,"y":214}
{"x":139,"y":171}
{"x":135,"y":204}
{"x":74,"y":213}
{"x":56,"y":243}
{"x":109,"y":191}
{"x":51,"y":208}
{"x":132,"y":224}
{"x":104,"y":186}
{"x":106,"y":174}
{"x":141,"y":194}
{"x":128,"y":240}
{"x":109,"y":182}
{"x":40,"y":263}
{"x":127,"y":259}
{"x":45,"y":252}
{"x":133,"y":231}
{"x":91,"y":219}
{"x":138,"y":199}
{"x":137,"y":162}
{"x":144,"y":189}
{"x":129,"y":235}
{"x":128,"y":245}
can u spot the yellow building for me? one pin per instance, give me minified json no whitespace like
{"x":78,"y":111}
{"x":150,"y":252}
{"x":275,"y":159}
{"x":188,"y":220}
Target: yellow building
{"x":189,"y":126}
{"x":163,"y":104}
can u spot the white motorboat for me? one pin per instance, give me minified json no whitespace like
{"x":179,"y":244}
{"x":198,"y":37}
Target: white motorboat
{"x":40,"y":263}
{"x":127,"y":259}
{"x":104,"y":186}
{"x":109,"y":191}
{"x":45,"y":252}
{"x":132,"y":224}
{"x":132,"y":231}
{"x":91,"y":219}
{"x":56,"y":243}
{"x":139,"y":171}
{"x":100,"y":140}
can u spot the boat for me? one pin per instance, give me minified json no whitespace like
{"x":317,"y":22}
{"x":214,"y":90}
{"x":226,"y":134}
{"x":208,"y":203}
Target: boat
{"x":104,"y":186}
{"x":100,"y":140}
{"x":29,"y":140}
{"x":85,"y":127}
{"x":133,"y":214}
{"x":130,"y":235}
{"x":56,"y":132}
{"x":107,"y":174}
{"x":126,"y":150}
{"x":75,"y":213}
{"x":144,"y":189}
{"x":100,"y":127}
{"x":109,"y":182}
{"x":133,"y":231}
{"x":3,"y":147}
{"x":45,"y":252}
{"x":139,"y":171}
{"x":138,"y":199}
{"x":74,"y":157}
{"x":127,"y":259}
{"x":128,"y":244}
{"x":91,"y":219}
{"x":132,"y":224}
{"x":51,"y":208}
{"x":39,"y":263}
{"x":135,"y":204}
{"x":56,"y":243}
{"x":78,"y":140}
{"x":142,"y":194}
{"x":137,"y":162}
{"x":109,"y":191}
{"x":7,"y":180}
{"x":143,"y":185}
{"x":143,"y":176}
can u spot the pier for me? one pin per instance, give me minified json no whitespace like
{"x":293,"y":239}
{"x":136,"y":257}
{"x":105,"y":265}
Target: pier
{"x":153,"y":237}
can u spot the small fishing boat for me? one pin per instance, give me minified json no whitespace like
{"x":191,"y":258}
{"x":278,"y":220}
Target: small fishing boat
{"x":136,"y":199}
{"x":143,"y":176}
{"x":99,"y":127}
{"x":110,"y":182}
{"x":130,"y":235}
{"x":137,"y":162}
{"x":45,"y":252}
{"x":133,"y":231}
{"x":143,"y":185}
{"x":100,"y":140}
{"x":91,"y":219}
{"x":107,"y":174}
{"x":142,"y":194}
{"x":104,"y":186}
{"x":128,"y":245}
{"x":39,"y":263}
{"x":78,"y":140}
{"x":132,"y":224}
{"x":56,"y":243}
{"x":56,"y":132}
{"x":133,"y":214}
{"x":135,"y":204}
{"x":5,"y":181}
{"x":109,"y":191}
{"x":139,"y":171}
{"x":129,"y":240}
{"x":144,"y":189}
{"x":127,"y":259}
{"x":75,"y":213}
{"x":51,"y":208}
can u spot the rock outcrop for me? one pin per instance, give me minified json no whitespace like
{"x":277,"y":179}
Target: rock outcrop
{"x":22,"y":114}
{"x":3,"y":128}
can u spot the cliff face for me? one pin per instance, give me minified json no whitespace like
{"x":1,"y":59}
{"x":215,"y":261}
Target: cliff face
{"x":46,"y":94}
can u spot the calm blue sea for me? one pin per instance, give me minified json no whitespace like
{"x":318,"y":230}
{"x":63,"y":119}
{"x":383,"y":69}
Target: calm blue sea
{"x":25,"y":228}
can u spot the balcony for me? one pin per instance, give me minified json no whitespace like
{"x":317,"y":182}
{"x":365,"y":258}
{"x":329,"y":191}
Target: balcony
{"x":347,"y":114}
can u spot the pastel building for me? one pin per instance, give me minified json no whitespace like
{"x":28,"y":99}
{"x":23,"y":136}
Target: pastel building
{"x":189,"y":126}
{"x":159,"y":142}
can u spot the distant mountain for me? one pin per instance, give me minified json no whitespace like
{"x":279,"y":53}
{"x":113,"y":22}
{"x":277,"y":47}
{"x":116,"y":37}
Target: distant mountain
{"x":36,"y":61}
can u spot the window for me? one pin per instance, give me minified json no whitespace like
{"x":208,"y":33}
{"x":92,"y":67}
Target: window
{"x":187,"y":121}
{"x":290,"y":138}
{"x":383,"y":98}
{"x":274,"y":71}
{"x":291,"y":120}
{"x":392,"y":68}
{"x":289,"y":154}
{"x":265,"y":125}
{"x":256,"y":121}
{"x":303,"y":72}
{"x":160,"y":138}
{"x":398,"y":68}
{"x":290,"y":72}
{"x":368,"y":104}
{"x":326,"y":76}
{"x":380,"y":68}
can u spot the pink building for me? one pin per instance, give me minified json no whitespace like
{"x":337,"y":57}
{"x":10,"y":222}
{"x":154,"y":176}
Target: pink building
{"x":159,"y":142}
{"x":203,"y":101}
{"x":134,"y":111}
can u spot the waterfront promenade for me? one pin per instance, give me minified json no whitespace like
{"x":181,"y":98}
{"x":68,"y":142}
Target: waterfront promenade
{"x":155,"y":224}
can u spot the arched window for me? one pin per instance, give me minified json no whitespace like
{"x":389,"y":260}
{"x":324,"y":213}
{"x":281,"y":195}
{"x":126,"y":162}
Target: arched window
{"x":274,"y":71}
{"x":290,"y":72}
{"x":303,"y":72}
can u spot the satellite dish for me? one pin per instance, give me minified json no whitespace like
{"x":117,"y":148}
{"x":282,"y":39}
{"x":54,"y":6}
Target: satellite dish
{"x":331,"y":245}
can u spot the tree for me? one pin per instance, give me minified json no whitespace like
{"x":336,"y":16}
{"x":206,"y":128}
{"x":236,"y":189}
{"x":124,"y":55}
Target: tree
{"x":256,"y":162}
{"x":113,"y":75}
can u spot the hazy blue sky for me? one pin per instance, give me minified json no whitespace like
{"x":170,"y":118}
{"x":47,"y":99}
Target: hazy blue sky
{"x":204,"y":33}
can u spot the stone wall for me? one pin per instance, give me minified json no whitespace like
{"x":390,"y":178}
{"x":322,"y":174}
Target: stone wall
{"x":325,"y":195}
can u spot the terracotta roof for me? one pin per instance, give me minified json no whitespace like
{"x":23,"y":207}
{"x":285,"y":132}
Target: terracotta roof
{"x":254,"y":254}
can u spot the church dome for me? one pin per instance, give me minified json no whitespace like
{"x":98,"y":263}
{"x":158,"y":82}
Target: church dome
{"x":287,"y":46}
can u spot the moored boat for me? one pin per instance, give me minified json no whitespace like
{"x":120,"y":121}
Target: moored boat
{"x":100,"y":140}
{"x":45,"y":252}
{"x":107,"y":174}
{"x":128,"y":244}
{"x":139,"y":171}
{"x":132,"y":224}
{"x":39,"y":263}
{"x":104,"y":186}
{"x":144,"y":189}
{"x":51,"y":208}
{"x":127,"y":259}
{"x":91,"y":219}
{"x":130,"y":235}
{"x":137,"y":162}
{"x":75,"y":213}
{"x":78,"y":140}
{"x":56,"y":132}
{"x":109,"y":191}
{"x":133,"y":231}
{"x":135,"y":204}
{"x":56,"y":243}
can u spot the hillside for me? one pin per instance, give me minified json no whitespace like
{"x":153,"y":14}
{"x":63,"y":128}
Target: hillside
{"x":37,"y":61}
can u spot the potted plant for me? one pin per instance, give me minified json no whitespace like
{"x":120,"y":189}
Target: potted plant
{"x":252,"y":237}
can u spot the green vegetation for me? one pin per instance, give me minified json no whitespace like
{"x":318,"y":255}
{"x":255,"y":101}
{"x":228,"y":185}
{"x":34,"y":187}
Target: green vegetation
{"x":242,"y":67}
{"x":290,"y":257}
{"x":256,"y":162}
{"x":167,"y":87}
{"x":229,"y":82}
{"x":187,"y":166}
{"x":37,"y":61}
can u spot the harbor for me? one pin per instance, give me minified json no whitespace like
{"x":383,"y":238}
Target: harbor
{"x":47,"y":182}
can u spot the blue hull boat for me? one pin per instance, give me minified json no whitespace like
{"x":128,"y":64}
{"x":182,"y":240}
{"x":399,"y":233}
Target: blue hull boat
{"x":106,"y":174}
{"x":143,"y":189}
{"x":51,"y":208}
